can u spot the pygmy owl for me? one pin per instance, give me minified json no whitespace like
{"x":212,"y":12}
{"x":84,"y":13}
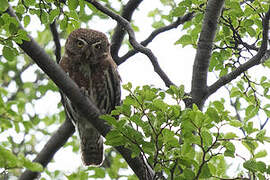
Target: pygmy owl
{"x":87,"y":60}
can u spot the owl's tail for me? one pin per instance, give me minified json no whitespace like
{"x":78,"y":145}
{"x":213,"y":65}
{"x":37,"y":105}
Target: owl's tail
{"x":91,"y":144}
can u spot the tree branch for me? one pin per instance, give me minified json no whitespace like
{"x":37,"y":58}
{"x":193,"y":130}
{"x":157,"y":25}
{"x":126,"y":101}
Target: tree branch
{"x":59,"y":138}
{"x":83,"y":104}
{"x":180,"y":20}
{"x":137,"y":46}
{"x":56,"y":40}
{"x":119,"y":31}
{"x":204,"y":50}
{"x":255,"y":60}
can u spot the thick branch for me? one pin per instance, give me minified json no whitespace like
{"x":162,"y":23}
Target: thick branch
{"x":155,"y":33}
{"x":86,"y":107}
{"x":137,"y":46}
{"x":119,"y":31}
{"x":59,"y":138}
{"x":255,"y":60}
{"x":204,"y":50}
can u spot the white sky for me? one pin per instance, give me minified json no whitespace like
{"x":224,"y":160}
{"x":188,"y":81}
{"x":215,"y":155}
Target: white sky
{"x":174,"y":60}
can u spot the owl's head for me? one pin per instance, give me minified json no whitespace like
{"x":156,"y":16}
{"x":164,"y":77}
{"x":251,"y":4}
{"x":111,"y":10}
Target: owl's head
{"x":87,"y":45}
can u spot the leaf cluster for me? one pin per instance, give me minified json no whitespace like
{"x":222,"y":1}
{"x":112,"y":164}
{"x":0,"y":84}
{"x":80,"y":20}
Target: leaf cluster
{"x":183,"y":143}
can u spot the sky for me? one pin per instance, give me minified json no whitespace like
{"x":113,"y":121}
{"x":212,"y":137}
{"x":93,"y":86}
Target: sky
{"x":175,"y":60}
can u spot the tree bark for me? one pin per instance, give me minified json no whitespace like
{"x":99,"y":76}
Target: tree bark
{"x":204,"y":50}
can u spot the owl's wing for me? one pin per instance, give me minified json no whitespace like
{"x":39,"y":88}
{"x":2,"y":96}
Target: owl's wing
{"x":115,"y":81}
{"x":117,"y":88}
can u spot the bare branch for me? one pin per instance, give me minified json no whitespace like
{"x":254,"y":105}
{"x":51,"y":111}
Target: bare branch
{"x":255,"y":60}
{"x":154,"y":34}
{"x":59,"y":138}
{"x":56,"y":40}
{"x":203,"y":55}
{"x":137,"y":46}
{"x":83,"y":104}
{"x":119,"y":31}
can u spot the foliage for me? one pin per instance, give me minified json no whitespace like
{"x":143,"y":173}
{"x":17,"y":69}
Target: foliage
{"x":178,"y":142}
{"x":184,"y":143}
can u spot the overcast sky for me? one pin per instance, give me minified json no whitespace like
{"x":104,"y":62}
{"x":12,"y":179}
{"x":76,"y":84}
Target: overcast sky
{"x":175,"y":61}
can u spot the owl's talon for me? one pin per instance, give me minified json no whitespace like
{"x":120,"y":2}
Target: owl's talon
{"x":84,"y":91}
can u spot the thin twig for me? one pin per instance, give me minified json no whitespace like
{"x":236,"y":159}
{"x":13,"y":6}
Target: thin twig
{"x":154,"y":34}
{"x":255,"y":60}
{"x":56,"y":40}
{"x":119,"y":31}
{"x":137,"y":46}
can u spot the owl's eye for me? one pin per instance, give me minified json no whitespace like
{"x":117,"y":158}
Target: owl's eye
{"x":98,"y":46}
{"x":80,"y":43}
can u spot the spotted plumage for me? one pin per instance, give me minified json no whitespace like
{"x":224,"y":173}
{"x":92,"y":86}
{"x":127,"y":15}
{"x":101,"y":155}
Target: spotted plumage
{"x":88,"y":62}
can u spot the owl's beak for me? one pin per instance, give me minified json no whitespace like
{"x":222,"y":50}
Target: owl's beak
{"x":88,"y":52}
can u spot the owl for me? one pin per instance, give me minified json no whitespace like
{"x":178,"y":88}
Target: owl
{"x":88,"y":62}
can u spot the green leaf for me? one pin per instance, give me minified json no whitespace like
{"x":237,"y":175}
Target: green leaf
{"x":213,"y":114}
{"x":20,"y":9}
{"x":8,"y":159}
{"x":236,"y":123}
{"x":30,"y":2}
{"x":17,"y":127}
{"x":158,"y":103}
{"x":260,"y":135}
{"x":127,"y":86}
{"x":136,"y":118}
{"x":184,"y":40}
{"x":260,"y":154}
{"x":111,"y":120}
{"x":248,"y":22}
{"x":99,"y":173}
{"x":44,"y":17}
{"x":251,"y":111}
{"x":63,"y":23}
{"x":230,"y":149}
{"x":26,"y":20}
{"x":250,"y":165}
{"x":115,"y":138}
{"x":251,"y":31}
{"x":158,"y":24}
{"x":8,"y":53}
{"x":179,"y":11}
{"x":205,"y":172}
{"x":188,"y":173}
{"x":218,"y":105}
{"x":53,"y":14}
{"x":207,"y":138}
{"x":73,"y":4}
{"x":261,"y":166}
{"x":226,"y":30}
{"x":4,"y":5}
{"x":168,"y":137}
{"x":254,"y":166}
{"x":235,"y":92}
{"x":13,"y":28}
{"x":230,"y":135}
{"x":33,"y":166}
{"x":250,"y":145}
{"x":148,"y":148}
